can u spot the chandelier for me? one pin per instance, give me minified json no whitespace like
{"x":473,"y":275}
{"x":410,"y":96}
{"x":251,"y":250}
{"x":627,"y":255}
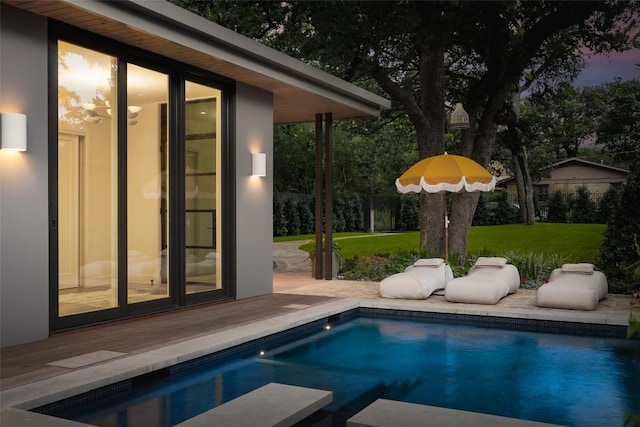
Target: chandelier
{"x":96,"y":113}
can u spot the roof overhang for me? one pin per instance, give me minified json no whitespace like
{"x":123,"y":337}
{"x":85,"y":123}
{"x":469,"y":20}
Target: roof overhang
{"x":299,"y":90}
{"x":587,"y":163}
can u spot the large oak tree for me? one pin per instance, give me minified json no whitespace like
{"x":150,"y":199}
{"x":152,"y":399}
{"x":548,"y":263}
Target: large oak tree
{"x":428,"y":55}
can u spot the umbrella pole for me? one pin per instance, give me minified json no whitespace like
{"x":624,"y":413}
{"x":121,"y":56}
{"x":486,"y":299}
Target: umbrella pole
{"x":446,"y":228}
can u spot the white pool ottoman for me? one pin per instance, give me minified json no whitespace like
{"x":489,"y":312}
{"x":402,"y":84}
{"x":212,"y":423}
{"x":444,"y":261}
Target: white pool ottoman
{"x":573,"y":287}
{"x":418,"y":281}
{"x":487,"y":282}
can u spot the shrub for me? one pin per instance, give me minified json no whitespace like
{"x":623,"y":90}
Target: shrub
{"x":356,"y":210}
{"x":620,"y":250}
{"x":338,"y":221}
{"x":376,"y":267}
{"x":409,"y":212}
{"x":306,"y":217}
{"x":461,"y":265}
{"x":606,"y":206}
{"x":499,"y":210}
{"x":348,"y":215}
{"x":506,"y":211}
{"x":364,"y":268}
{"x":310,"y":248}
{"x":534,"y":268}
{"x":292,"y":216}
{"x":483,"y":215}
{"x":557,"y":208}
{"x":582,"y":208}
{"x":279,"y":218}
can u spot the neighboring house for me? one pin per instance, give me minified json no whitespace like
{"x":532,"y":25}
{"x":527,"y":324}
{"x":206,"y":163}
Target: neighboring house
{"x":135,"y":193}
{"x":567,"y":175}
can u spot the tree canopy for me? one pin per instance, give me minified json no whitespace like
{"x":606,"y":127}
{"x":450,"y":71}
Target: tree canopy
{"x":618,"y":127}
{"x":566,"y":121}
{"x":426,"y":56}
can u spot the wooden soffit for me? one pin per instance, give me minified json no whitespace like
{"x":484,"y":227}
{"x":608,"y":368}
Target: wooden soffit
{"x":299,"y":90}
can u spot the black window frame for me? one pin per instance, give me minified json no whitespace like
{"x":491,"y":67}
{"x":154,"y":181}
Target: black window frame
{"x":178,"y":73}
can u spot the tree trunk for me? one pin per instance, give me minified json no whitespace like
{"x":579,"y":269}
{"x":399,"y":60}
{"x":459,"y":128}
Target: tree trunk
{"x":429,"y":119}
{"x":477,"y":143}
{"x":432,"y":233}
{"x":520,"y":188}
{"x":529,"y":192}
{"x":524,"y":185}
{"x":510,"y":116}
{"x":463,"y":207}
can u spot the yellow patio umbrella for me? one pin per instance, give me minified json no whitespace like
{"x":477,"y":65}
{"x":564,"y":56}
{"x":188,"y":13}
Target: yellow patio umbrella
{"x":446,"y":173}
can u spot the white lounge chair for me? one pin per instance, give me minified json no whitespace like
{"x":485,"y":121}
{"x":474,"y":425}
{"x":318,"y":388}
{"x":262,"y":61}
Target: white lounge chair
{"x":418,"y":281}
{"x":574,"y":287}
{"x":488,"y":281}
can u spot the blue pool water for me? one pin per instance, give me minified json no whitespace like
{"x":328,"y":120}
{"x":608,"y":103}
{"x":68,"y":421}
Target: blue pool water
{"x":560,"y":379}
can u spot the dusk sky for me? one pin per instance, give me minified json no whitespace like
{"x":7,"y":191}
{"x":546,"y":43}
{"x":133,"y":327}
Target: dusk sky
{"x":604,"y":69}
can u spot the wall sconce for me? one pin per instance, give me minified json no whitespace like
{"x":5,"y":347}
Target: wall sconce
{"x":258,"y":164}
{"x":13,"y":132}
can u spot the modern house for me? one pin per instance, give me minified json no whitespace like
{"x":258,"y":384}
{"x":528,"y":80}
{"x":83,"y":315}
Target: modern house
{"x":569,"y":174}
{"x":146,"y":183}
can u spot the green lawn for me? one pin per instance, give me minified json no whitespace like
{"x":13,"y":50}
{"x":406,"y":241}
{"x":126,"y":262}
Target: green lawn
{"x":572,"y":242}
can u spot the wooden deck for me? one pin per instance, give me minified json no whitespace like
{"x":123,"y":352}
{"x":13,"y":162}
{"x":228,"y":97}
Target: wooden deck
{"x":28,"y":363}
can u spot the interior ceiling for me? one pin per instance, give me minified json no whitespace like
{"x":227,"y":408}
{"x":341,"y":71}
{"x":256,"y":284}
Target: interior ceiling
{"x":291,"y":104}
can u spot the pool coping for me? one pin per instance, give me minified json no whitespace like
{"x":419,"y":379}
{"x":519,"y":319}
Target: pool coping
{"x":36,"y":394}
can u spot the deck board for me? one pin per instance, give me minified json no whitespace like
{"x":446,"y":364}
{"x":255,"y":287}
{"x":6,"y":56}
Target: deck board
{"x":26,"y":363}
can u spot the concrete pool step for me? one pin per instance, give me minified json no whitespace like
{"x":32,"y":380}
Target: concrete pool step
{"x":391,"y":413}
{"x":14,"y":417}
{"x":271,"y":405}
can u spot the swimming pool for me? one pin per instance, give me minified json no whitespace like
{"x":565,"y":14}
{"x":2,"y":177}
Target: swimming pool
{"x":561,"y":379}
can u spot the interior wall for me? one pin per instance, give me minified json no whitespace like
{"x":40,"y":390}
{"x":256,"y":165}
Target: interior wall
{"x":68,"y":185}
{"x":24,"y":234}
{"x":98,"y":194}
{"x":145,"y":191}
{"x":254,"y":195}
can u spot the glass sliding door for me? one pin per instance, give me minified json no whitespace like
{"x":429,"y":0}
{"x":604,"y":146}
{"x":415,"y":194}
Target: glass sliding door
{"x":87,"y":181}
{"x":147,"y":174}
{"x":136,"y":200}
{"x":202,"y":188}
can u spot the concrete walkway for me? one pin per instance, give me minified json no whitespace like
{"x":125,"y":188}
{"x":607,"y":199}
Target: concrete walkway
{"x":287,"y":258}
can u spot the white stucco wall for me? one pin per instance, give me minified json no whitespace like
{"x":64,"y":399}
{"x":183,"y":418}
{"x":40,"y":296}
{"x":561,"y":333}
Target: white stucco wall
{"x":24,"y":238}
{"x":254,"y":195}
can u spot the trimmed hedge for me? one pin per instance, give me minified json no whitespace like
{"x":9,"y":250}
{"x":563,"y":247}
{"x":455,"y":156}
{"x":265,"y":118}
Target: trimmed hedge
{"x":294,"y":214}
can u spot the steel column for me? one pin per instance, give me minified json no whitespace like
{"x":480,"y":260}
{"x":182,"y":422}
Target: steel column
{"x":328,"y":194}
{"x":318,"y":198}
